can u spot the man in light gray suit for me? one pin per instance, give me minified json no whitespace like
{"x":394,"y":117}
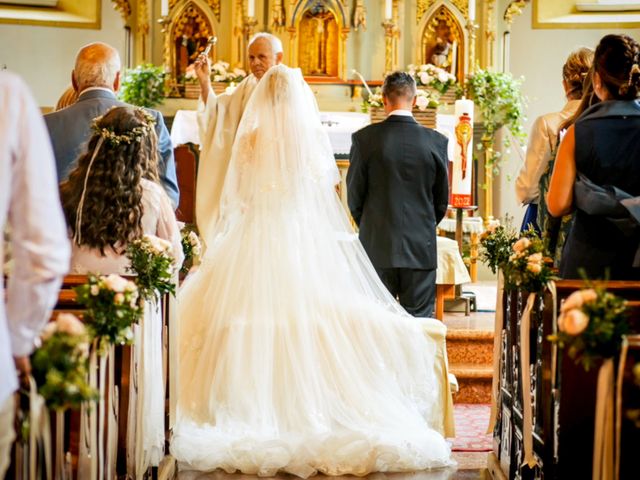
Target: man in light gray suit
{"x":96,"y":77}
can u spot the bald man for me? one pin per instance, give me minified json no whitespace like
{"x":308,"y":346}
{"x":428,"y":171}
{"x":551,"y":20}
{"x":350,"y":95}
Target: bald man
{"x":218,"y":120}
{"x":96,"y":79}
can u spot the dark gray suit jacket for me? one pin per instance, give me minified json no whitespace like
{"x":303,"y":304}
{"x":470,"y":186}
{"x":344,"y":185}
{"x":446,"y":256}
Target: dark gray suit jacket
{"x":70,"y":130}
{"x":398,"y":191}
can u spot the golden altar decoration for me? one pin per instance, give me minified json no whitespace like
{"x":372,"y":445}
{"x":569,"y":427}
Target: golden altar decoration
{"x":318,"y":31}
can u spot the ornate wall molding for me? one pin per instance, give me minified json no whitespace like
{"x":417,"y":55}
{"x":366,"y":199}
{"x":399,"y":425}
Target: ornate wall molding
{"x":424,"y":5}
{"x":513,"y":10}
{"x":124,"y":7}
{"x":359,"y":16}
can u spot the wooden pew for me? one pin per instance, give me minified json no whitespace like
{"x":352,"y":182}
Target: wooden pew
{"x":123,"y":357}
{"x":563,"y":416}
{"x":186,"y":170}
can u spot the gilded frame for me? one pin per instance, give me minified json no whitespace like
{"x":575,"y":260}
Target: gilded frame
{"x":561,"y":14}
{"x":68,"y":14}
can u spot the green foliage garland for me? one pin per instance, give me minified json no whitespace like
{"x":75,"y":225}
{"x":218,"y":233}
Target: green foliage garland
{"x":498,"y":98}
{"x":143,"y":86}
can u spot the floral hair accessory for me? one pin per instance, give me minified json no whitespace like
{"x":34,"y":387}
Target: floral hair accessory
{"x":134,"y":135}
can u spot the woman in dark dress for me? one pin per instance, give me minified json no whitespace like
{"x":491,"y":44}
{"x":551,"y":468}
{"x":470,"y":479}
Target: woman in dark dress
{"x":598,"y":166}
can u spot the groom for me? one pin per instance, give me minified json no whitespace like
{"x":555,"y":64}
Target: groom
{"x":398,"y":192}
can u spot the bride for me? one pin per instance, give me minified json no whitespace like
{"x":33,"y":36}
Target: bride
{"x":293,"y":355}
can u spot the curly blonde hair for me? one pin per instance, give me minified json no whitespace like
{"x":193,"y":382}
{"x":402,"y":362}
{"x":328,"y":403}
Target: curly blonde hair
{"x":112,"y":208}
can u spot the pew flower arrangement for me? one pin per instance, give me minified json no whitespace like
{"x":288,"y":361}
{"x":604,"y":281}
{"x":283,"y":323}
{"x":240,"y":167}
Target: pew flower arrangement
{"x":60,"y":364}
{"x":152,"y":262}
{"x":429,"y":75}
{"x":112,"y":305}
{"x":528,"y":267}
{"x":591,"y":325}
{"x":497,"y":242}
{"x":191,"y":247}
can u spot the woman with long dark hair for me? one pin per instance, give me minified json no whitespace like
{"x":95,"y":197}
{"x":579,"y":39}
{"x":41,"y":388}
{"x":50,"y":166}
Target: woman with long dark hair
{"x":597,"y":171}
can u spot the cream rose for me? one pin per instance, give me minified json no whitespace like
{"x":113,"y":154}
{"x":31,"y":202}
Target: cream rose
{"x":573,"y":322}
{"x":115,"y":283}
{"x":118,"y":299}
{"x":95,"y":290}
{"x":535,"y":258}
{"x":521,"y":244}
{"x":534,"y":267}
{"x":48,"y":331}
{"x":70,"y":324}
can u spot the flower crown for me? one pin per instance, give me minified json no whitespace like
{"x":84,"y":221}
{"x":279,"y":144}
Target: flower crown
{"x":134,"y":135}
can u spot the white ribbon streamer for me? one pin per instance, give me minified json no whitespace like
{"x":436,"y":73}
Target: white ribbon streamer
{"x":497,"y":353}
{"x":603,"y":443}
{"x":525,"y":375}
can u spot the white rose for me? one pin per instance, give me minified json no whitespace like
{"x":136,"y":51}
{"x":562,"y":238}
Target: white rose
{"x":521,"y":244}
{"x":70,"y":324}
{"x":425,"y":78}
{"x":238,"y":72}
{"x":422,"y":102}
{"x":218,"y":78}
{"x":443,"y":76}
{"x":573,"y":322}
{"x":424,"y":68}
{"x":115,"y":283}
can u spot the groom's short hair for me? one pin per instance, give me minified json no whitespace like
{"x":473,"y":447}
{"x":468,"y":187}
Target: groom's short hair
{"x":399,"y":85}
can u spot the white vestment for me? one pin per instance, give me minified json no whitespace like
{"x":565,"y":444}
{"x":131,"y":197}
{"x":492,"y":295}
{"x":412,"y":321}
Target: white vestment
{"x":218,"y":122}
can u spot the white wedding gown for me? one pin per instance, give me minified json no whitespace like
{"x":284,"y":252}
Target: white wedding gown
{"x":293,"y":355}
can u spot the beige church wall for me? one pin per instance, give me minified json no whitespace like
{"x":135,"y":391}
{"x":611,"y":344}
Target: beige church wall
{"x":538,"y":56}
{"x":44,"y":56}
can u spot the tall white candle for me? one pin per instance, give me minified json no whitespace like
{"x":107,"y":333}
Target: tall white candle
{"x":164,"y":8}
{"x":463,"y":154}
{"x":388,"y":9}
{"x":472,"y":10}
{"x":251,"y":8}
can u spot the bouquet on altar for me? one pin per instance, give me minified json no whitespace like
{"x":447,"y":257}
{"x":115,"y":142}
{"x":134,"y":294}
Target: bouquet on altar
{"x":591,"y":324}
{"x":429,"y":75}
{"x":424,"y":100}
{"x":60,"y":364}
{"x":113,"y":305}
{"x":528,"y":268}
{"x":222,"y":72}
{"x":152,"y":262}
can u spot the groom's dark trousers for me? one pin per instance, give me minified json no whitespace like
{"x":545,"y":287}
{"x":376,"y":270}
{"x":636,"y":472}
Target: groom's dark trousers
{"x":398,"y":192}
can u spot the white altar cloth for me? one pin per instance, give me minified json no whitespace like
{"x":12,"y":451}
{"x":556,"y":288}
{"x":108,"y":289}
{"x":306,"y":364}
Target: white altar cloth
{"x":338,"y":125}
{"x":451,"y":268}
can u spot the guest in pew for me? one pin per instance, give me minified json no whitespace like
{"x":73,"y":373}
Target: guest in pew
{"x":597,"y":172}
{"x":29,"y":204}
{"x":96,"y":78}
{"x":544,"y":134}
{"x":113,"y":195}
{"x":554,"y":231}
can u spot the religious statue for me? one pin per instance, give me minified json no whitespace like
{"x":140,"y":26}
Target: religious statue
{"x":190,"y":34}
{"x":443,"y":42}
{"x":319,"y":42}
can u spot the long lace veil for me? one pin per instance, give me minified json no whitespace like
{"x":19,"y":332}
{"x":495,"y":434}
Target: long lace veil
{"x":282,"y":168}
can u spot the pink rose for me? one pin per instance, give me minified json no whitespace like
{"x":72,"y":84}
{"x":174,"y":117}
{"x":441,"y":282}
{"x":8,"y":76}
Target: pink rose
{"x":521,"y":244}
{"x":579,"y":298}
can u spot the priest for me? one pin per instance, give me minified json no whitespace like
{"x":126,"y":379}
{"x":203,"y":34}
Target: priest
{"x":218,"y":120}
